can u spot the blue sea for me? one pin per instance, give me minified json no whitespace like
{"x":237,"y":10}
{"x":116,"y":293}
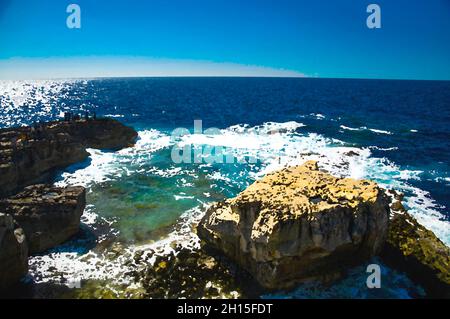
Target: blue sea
{"x":396,"y":133}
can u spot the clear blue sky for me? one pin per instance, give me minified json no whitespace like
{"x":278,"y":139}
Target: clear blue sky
{"x":325,"y":38}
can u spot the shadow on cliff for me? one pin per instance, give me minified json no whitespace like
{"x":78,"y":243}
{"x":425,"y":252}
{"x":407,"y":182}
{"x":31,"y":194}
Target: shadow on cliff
{"x":57,"y":175}
{"x":81,"y":243}
{"x":31,"y":290}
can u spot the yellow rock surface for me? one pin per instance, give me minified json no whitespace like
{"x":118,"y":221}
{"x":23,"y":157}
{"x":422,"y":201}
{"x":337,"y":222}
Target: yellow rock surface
{"x":298,"y":223}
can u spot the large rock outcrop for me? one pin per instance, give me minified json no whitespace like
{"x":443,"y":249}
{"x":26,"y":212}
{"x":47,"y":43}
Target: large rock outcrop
{"x":412,"y":248}
{"x":298,"y":224}
{"x":45,"y":215}
{"x":13,"y":252}
{"x":48,"y":215}
{"x":29,"y":154}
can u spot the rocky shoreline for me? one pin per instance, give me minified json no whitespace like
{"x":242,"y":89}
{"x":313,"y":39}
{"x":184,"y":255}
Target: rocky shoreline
{"x":299,"y":225}
{"x":296,"y":225}
{"x":412,"y":248}
{"x":35,"y":217}
{"x":48,"y":215}
{"x":29,"y":155}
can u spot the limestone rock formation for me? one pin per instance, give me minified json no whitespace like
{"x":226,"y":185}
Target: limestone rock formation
{"x":412,"y":248}
{"x":48,"y":215}
{"x":298,"y":224}
{"x":29,"y":154}
{"x":13,"y":252}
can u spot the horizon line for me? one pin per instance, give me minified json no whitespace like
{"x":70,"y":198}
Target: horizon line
{"x":108,"y":67}
{"x":23,"y":68}
{"x":222,"y":76}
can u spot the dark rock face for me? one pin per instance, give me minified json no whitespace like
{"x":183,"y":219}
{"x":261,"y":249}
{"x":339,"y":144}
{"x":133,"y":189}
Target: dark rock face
{"x":13,"y":252}
{"x":416,"y":250}
{"x":186,"y":273}
{"x":27,"y":154}
{"x":48,"y":215}
{"x":298,"y":224}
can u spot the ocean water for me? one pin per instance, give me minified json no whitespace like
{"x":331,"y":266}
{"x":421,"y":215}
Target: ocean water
{"x":394,"y":132}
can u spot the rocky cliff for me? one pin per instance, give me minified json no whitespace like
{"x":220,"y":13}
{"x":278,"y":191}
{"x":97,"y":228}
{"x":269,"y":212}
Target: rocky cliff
{"x":298,"y":224}
{"x":28,"y":154}
{"x":48,"y":215}
{"x":40,"y":217}
{"x":13,"y":252}
{"x":417,"y":251}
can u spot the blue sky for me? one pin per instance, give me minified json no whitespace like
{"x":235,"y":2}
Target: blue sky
{"x":325,"y":38}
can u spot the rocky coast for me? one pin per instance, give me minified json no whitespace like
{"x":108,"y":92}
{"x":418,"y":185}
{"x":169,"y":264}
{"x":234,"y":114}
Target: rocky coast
{"x":296,"y":225}
{"x":417,"y":251}
{"x":30,"y":154}
{"x":35,"y":216}
{"x":301,"y":224}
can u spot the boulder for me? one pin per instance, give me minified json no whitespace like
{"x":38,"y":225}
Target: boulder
{"x":29,"y":154}
{"x":412,"y":248}
{"x":298,"y":224}
{"x":48,"y":215}
{"x":13,"y":252}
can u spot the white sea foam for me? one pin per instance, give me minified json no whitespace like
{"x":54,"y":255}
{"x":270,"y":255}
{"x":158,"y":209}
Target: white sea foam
{"x":362,"y":128}
{"x":380,"y":131}
{"x":442,"y":179}
{"x":383,"y":149}
{"x":285,"y":148}
{"x":283,"y":144}
{"x":318,"y":116}
{"x":106,"y":166}
{"x":68,"y":267}
{"x":180,"y":197}
{"x":114,"y":115}
{"x":349,"y":128}
{"x":98,"y":171}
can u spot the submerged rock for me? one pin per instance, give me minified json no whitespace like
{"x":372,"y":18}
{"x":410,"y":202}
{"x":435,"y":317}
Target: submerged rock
{"x":417,"y":251}
{"x":13,"y":252}
{"x":48,"y":215}
{"x":298,"y":224}
{"x":29,"y":154}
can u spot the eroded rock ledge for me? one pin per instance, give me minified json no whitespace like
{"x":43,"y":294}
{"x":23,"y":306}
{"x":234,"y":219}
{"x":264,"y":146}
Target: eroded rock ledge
{"x":40,"y":217}
{"x":28,"y":154}
{"x":48,"y":215}
{"x":298,"y":224}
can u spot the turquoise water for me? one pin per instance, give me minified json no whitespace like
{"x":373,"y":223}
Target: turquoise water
{"x":139,"y":197}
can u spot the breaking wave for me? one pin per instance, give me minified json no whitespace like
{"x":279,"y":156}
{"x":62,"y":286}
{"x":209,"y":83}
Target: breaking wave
{"x":274,"y":145}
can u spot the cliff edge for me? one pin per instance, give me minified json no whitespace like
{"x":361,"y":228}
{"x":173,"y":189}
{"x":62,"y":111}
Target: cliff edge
{"x":29,"y":154}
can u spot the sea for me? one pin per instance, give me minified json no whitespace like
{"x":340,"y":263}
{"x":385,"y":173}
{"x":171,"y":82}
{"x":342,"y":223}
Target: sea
{"x":394,"y":132}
